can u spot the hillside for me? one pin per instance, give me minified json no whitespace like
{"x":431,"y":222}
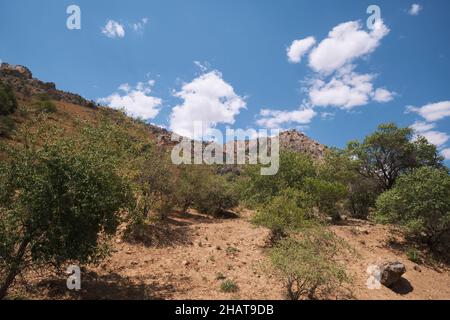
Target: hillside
{"x":189,"y":255}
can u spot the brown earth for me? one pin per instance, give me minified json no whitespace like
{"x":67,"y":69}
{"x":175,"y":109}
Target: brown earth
{"x":184,"y":258}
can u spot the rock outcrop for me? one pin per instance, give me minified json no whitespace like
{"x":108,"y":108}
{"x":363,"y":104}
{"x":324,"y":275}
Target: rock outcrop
{"x":25,"y":86}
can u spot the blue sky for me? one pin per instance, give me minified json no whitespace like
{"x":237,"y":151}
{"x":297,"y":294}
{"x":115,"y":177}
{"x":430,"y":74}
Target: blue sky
{"x":226,"y":62}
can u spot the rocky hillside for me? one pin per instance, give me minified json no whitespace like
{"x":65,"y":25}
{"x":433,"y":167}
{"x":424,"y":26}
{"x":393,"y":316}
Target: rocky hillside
{"x":25,"y":86}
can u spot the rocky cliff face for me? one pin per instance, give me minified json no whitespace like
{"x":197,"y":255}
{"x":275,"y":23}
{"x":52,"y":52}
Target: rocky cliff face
{"x":293,"y":140}
{"x":25,"y":86}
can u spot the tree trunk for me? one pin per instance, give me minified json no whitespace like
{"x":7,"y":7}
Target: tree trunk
{"x":14,"y":269}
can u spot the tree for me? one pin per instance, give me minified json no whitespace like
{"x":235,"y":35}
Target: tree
{"x":57,"y":204}
{"x":294,"y":169}
{"x":420,"y":202}
{"x":308,"y":264}
{"x":8,"y":102}
{"x":389,"y":152}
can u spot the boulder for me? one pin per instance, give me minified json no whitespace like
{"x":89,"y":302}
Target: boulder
{"x":391,"y":272}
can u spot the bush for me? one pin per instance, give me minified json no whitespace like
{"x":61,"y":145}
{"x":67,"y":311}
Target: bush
{"x":215,"y":196}
{"x":8,"y":102}
{"x":7,"y":126}
{"x":282,"y":214}
{"x":43,"y":104}
{"x":413,"y":255}
{"x":307,"y":265}
{"x":57,"y":204}
{"x":229,"y":286}
{"x":420,"y":202}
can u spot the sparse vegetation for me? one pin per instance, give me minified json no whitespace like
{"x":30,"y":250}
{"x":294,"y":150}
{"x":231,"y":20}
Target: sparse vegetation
{"x":307,"y":265}
{"x":8,"y":102}
{"x":42,"y":103}
{"x":229,"y":286}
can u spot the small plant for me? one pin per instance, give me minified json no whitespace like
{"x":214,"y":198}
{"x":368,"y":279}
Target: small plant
{"x":231,"y":250}
{"x":220,"y":276}
{"x":413,"y":255}
{"x":43,"y":104}
{"x":229,"y":286}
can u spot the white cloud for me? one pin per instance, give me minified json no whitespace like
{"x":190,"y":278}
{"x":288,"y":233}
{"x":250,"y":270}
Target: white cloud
{"x":299,"y":48}
{"x":383,"y":95}
{"x":208,"y":99}
{"x":433,"y":111}
{"x":446,"y":153}
{"x":139,"y":26}
{"x":420,"y":126}
{"x":275,"y":118}
{"x":137,"y":102}
{"x":415,"y":9}
{"x":113,"y":29}
{"x":435,"y":137}
{"x":345,"y":43}
{"x":346,"y":89}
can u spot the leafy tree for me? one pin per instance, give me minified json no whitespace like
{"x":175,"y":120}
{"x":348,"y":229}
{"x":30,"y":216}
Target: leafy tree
{"x":326,"y":195}
{"x":57,"y":204}
{"x":308,"y":264}
{"x":389,"y":152}
{"x":294,"y":169}
{"x":216,"y":195}
{"x":419,"y":201}
{"x":8,"y":102}
{"x":362,"y":192}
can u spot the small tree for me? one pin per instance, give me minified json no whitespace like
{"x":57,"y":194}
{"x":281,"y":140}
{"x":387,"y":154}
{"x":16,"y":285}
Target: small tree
{"x":308,"y":265}
{"x":56,"y":204}
{"x":389,"y":152}
{"x":420,"y":202}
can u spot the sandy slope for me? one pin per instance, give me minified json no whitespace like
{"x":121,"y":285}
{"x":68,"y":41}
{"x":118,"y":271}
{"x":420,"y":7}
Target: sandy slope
{"x":183,"y":258}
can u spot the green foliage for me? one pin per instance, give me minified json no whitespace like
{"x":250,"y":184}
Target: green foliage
{"x":294,"y":169}
{"x":229,"y":286}
{"x":413,"y":255}
{"x":326,"y":195}
{"x":389,"y":152}
{"x":7,"y":126}
{"x":8,"y":102}
{"x":215,"y":196}
{"x":57,"y":203}
{"x":307,"y":265}
{"x":282,"y":214}
{"x":420,"y":202}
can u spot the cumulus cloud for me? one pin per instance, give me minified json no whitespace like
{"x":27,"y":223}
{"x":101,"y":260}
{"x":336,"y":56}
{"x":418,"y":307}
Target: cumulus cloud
{"x":274,"y":119}
{"x":137,"y":102}
{"x":299,"y":48}
{"x":433,"y":111}
{"x":415,"y":9}
{"x":382,"y":95}
{"x":435,"y":137}
{"x":345,"y":43}
{"x":208,"y":99}
{"x":113,"y":29}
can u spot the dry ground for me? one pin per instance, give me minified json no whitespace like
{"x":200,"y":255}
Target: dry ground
{"x":182,"y":260}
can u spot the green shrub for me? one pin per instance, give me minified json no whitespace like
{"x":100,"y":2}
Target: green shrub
{"x":43,"y":103}
{"x":57,"y":204}
{"x":420,"y":202}
{"x":281,"y":214}
{"x":215,"y":196}
{"x":413,"y":255}
{"x":8,"y":102}
{"x":229,"y":286}
{"x":7,"y":126}
{"x":307,"y":265}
